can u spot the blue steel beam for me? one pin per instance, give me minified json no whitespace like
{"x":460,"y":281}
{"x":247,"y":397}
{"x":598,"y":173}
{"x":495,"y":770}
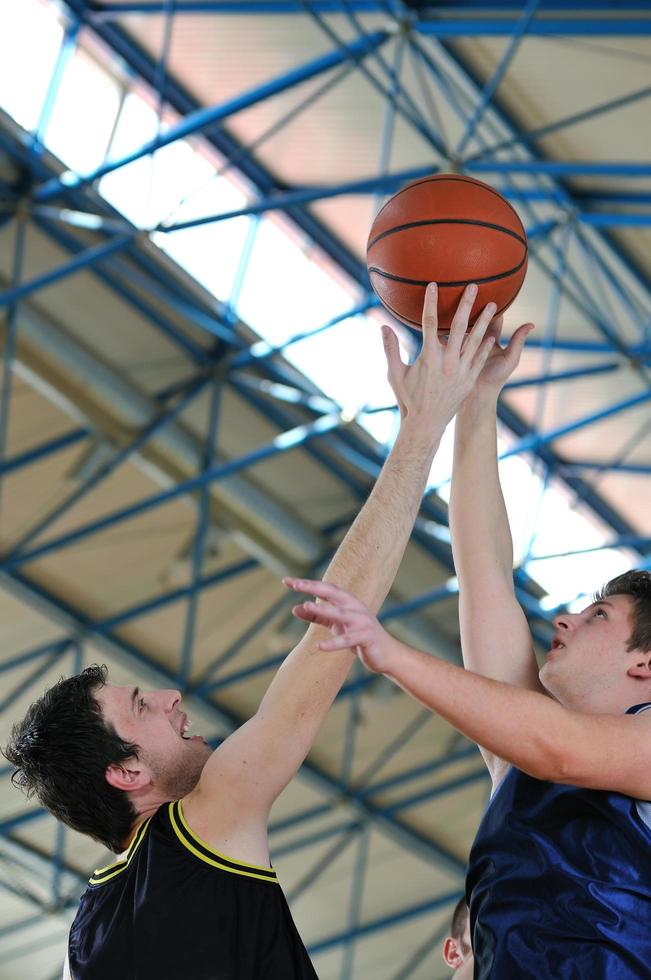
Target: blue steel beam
{"x":203,"y":118}
{"x":107,"y":11}
{"x":345,"y":831}
{"x":199,"y":539}
{"x":27,"y":682}
{"x":541,"y":27}
{"x":17,"y":660}
{"x":12,"y":463}
{"x":280,"y":444}
{"x":261,"y":350}
{"x":415,"y":958}
{"x":384,"y":922}
{"x":355,"y":906}
{"x":89,"y":257}
{"x":643,"y":469}
{"x":520,"y":30}
{"x":406,"y":107}
{"x":416,"y":772}
{"x":433,"y":792}
{"x":601,"y":270}
{"x":639,"y":542}
{"x":11,"y":327}
{"x":536,"y":439}
{"x":161,"y":601}
{"x":529,"y":136}
{"x":114,"y":281}
{"x":629,"y":170}
{"x":571,"y":375}
{"x":149,"y":431}
{"x":281,"y":200}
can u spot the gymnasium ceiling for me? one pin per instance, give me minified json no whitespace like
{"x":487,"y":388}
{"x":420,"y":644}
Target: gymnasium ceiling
{"x":151,"y":498}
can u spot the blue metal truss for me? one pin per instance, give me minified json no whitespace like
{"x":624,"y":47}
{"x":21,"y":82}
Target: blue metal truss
{"x":303,"y":417}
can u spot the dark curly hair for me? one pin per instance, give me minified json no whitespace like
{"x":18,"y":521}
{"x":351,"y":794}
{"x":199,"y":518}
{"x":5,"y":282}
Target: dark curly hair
{"x":637,"y":585}
{"x":61,"y":750}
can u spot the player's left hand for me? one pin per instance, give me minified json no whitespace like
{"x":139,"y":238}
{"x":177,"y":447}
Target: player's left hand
{"x":352,"y":625}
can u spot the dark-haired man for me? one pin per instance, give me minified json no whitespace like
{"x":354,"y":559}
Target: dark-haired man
{"x":194,"y":896}
{"x":559,"y":880}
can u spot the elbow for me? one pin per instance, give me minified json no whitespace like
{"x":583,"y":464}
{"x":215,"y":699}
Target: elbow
{"x":553,"y":762}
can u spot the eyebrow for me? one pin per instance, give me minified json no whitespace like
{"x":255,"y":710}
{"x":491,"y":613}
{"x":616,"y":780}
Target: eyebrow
{"x":134,"y":697}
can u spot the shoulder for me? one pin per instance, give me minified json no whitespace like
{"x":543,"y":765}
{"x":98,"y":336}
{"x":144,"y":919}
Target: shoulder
{"x":224,"y":827}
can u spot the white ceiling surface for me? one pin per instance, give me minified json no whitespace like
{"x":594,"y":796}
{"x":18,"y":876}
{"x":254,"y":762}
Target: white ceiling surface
{"x":275,"y":510}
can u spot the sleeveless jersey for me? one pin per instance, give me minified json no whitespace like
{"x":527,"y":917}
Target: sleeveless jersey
{"x":559,"y":883}
{"x":174,"y":909}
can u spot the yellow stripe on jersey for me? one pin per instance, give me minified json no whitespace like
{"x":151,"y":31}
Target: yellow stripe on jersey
{"x":102,"y":875}
{"x":209,"y":855}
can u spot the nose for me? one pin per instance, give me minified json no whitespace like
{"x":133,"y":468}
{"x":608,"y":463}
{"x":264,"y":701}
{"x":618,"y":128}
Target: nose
{"x":564,"y":621}
{"x":168,"y":700}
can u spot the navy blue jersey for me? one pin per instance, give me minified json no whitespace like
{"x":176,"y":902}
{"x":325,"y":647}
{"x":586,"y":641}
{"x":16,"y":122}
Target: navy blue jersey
{"x":174,"y":908}
{"x":559,"y":883}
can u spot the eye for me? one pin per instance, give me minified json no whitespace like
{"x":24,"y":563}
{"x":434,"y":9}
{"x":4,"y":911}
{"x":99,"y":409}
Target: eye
{"x":141,"y":704}
{"x":601,"y":612}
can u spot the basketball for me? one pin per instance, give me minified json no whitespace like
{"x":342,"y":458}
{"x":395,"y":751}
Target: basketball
{"x":451,"y":230}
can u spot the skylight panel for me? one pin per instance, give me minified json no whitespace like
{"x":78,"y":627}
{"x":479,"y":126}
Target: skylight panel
{"x":87,"y":102}
{"x":30,"y":39}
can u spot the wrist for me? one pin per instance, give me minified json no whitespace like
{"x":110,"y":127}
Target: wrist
{"x":479,"y":404}
{"x":418,"y":434}
{"x":393,"y":656}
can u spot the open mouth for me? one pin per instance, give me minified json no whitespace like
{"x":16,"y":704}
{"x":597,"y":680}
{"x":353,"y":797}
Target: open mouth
{"x":186,"y":724}
{"x":557,"y":644}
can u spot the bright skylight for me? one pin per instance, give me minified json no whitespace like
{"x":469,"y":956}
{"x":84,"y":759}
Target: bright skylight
{"x":288,"y":288}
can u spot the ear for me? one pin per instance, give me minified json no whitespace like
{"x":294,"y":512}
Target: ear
{"x":642,"y":668}
{"x":127,"y":777}
{"x":452,"y":953}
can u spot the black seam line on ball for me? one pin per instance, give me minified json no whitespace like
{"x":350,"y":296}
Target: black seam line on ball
{"x":461,"y":179}
{"x":446,"y":221}
{"x":459,"y":282}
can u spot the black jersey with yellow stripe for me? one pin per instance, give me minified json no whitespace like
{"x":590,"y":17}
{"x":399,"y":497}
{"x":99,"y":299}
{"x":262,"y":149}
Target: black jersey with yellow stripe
{"x":174,"y":908}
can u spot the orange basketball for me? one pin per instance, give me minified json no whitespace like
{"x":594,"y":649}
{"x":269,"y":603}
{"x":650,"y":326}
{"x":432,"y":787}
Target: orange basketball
{"x":451,"y":230}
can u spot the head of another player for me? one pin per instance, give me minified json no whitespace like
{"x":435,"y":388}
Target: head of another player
{"x":95,"y":754}
{"x":600,"y":658}
{"x":457,"y":951}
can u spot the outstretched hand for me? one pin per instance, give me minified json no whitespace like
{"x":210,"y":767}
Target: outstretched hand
{"x":502,"y":361}
{"x":352,"y":625}
{"x":433,"y":387}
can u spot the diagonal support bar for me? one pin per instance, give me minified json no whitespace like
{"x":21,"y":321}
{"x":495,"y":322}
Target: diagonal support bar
{"x":202,"y":118}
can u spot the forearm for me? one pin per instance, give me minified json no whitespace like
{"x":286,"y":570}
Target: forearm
{"x":481,"y":536}
{"x":526,"y":729}
{"x":366,"y":563}
{"x":489,"y":613}
{"x":368,"y":559}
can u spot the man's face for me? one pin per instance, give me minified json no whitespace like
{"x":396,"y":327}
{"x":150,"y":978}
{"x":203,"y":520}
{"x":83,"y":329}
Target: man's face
{"x":167,"y":763}
{"x":587,"y":665}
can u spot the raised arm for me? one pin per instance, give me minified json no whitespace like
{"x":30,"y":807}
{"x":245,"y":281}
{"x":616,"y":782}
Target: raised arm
{"x":495,"y":637}
{"x":258,"y":760}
